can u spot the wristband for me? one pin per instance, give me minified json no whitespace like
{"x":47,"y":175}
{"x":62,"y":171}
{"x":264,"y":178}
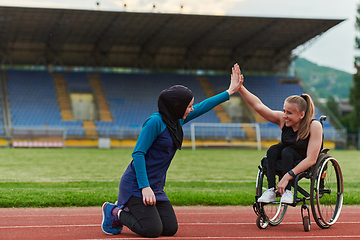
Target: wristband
{"x":291,"y":173}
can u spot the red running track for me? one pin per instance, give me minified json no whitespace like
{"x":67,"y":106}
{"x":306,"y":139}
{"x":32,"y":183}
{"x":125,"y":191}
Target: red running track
{"x":194,"y":223}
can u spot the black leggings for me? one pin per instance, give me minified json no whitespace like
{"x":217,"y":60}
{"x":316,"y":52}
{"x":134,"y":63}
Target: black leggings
{"x":289,"y":158}
{"x":149,"y":221}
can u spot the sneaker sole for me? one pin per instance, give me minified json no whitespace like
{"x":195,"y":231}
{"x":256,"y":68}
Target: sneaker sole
{"x":103,"y":218}
{"x":268,"y":202}
{"x":262,"y":201}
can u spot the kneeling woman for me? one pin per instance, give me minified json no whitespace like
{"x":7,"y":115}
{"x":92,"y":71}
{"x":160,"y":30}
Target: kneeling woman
{"x":142,"y":204}
{"x":301,"y":141}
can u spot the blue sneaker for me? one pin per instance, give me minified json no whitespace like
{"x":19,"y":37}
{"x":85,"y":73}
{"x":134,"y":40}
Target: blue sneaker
{"x":110,"y":225}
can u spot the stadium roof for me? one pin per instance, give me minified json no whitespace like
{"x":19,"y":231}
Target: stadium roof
{"x":151,"y":40}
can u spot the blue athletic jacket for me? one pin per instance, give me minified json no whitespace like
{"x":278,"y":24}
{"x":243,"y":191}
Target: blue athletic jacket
{"x":154,"y":151}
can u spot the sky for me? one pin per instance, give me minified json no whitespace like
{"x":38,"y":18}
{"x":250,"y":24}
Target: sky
{"x":335,"y":48}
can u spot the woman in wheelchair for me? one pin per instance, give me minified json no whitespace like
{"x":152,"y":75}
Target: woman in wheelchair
{"x":301,"y":141}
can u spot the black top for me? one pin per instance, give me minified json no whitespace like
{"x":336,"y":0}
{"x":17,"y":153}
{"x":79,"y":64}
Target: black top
{"x":288,"y":138}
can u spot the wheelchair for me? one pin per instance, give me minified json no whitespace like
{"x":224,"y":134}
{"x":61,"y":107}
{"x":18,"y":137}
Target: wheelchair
{"x":326,"y":194}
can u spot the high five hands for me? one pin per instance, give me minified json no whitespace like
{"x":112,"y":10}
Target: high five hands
{"x":237,"y":79}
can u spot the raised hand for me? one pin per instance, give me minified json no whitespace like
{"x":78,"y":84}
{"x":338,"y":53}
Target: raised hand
{"x":236,"y":79}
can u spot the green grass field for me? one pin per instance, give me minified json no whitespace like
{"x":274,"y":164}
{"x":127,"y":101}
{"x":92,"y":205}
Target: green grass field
{"x":88,"y":177}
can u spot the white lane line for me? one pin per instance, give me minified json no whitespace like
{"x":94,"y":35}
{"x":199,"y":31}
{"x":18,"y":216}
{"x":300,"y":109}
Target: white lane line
{"x":199,"y":223}
{"x":50,"y":215}
{"x":255,"y":237}
{"x":51,"y":226}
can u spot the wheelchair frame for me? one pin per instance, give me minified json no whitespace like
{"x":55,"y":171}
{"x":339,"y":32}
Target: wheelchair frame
{"x":325,"y":203}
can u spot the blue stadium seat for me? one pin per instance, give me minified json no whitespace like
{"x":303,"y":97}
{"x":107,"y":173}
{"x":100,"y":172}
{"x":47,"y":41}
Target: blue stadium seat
{"x":77,"y":82}
{"x":33,"y":101}
{"x":132,"y":98}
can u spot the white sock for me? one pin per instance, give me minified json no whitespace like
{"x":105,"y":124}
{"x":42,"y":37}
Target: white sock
{"x":118,"y":214}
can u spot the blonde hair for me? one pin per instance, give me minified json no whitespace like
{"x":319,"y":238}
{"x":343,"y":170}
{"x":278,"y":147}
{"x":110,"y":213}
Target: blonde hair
{"x":304,"y":104}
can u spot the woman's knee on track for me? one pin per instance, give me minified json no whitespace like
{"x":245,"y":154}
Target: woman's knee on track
{"x":170,"y":230}
{"x":159,"y":230}
{"x":152,"y":232}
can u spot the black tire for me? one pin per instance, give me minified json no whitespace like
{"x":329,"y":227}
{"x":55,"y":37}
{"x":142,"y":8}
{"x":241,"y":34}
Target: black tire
{"x":275,"y":211}
{"x":326,"y":191}
{"x":306,"y":223}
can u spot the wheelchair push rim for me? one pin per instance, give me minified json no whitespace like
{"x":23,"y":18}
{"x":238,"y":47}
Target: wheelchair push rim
{"x":278,"y":211}
{"x":274,"y":212}
{"x":326,"y":192}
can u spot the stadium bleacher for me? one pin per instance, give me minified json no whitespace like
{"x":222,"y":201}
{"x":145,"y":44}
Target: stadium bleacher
{"x":131,"y":97}
{"x":77,"y":82}
{"x":32,"y":98}
{"x":33,"y":101}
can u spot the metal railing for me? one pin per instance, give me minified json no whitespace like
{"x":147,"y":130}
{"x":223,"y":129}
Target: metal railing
{"x":33,"y":133}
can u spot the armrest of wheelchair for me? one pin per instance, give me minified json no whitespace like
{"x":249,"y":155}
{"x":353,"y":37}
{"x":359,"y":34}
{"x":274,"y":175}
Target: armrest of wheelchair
{"x":324,"y":150}
{"x":309,"y":171}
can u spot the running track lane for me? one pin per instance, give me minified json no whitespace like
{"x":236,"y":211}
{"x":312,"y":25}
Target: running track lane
{"x":194,"y":223}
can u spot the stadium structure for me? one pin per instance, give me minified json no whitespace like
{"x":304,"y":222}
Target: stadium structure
{"x":81,"y":78}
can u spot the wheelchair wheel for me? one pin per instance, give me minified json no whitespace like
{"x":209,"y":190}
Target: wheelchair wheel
{"x":326,"y":191}
{"x":262,"y":222}
{"x":274,"y":211}
{"x":306,"y":223}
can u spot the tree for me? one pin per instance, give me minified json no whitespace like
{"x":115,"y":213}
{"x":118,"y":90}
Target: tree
{"x":355,"y":102}
{"x":354,"y":97}
{"x":333,"y":105}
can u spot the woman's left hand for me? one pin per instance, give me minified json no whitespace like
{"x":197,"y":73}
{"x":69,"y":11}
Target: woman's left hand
{"x":148,"y":196}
